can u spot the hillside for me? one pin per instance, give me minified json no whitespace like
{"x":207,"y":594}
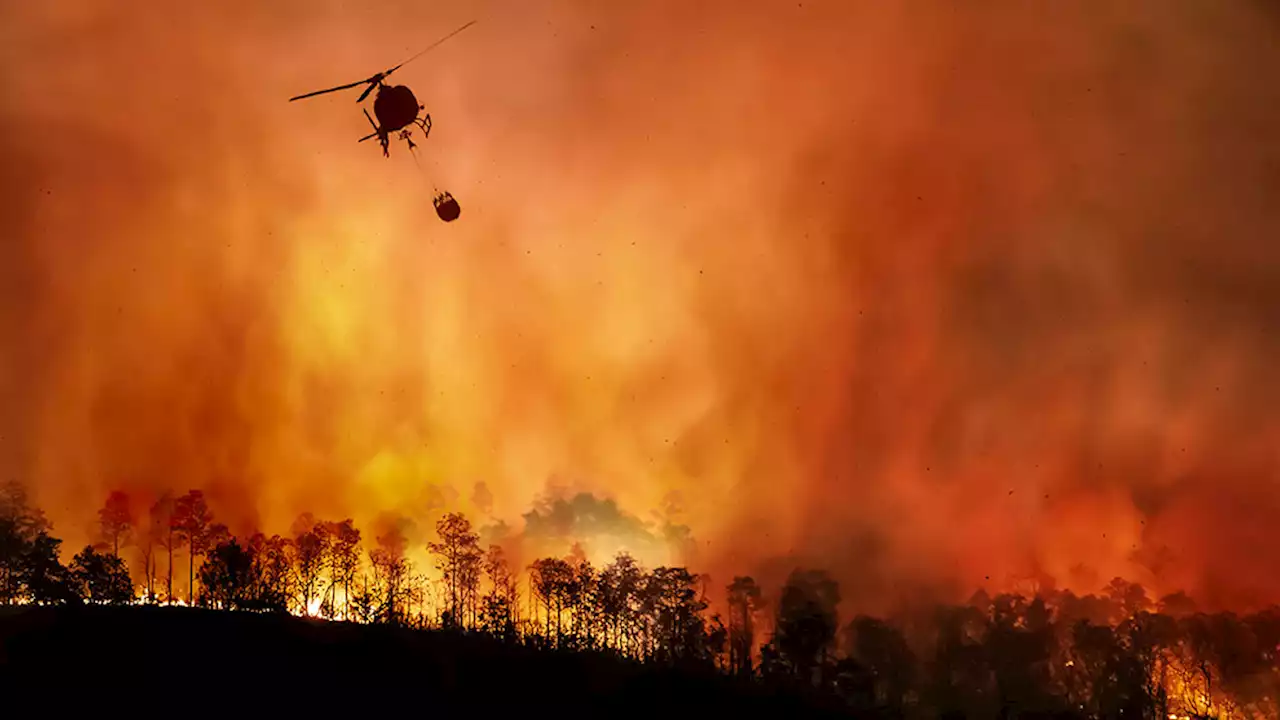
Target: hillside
{"x":219,"y":662}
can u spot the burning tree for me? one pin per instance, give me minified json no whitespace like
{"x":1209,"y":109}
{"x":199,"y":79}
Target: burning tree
{"x":343,"y":561}
{"x":309,"y":548}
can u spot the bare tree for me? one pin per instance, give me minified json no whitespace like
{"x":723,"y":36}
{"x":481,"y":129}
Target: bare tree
{"x":145,"y":542}
{"x":165,"y":532}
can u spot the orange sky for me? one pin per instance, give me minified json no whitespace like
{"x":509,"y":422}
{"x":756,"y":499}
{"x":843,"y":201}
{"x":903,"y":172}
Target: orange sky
{"x":922,"y":292}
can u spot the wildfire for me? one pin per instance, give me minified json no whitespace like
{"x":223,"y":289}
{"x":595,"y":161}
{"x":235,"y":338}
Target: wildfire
{"x":1190,"y":692}
{"x":912,"y":331}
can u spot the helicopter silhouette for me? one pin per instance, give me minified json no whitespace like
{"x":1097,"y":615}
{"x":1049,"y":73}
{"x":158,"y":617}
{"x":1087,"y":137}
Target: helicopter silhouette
{"x":395,"y":106}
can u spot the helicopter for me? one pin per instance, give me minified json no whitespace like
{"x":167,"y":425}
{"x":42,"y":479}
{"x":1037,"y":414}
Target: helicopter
{"x":395,"y":106}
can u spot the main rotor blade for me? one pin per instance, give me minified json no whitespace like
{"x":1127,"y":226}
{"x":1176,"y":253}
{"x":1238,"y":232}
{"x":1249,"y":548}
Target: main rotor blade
{"x":373,"y":83}
{"x":332,"y":89}
{"x":429,"y":48}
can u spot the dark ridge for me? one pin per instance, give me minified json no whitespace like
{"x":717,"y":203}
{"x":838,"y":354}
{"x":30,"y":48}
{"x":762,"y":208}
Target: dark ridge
{"x":146,"y":659}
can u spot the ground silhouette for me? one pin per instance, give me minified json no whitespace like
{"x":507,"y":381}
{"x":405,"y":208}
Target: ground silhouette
{"x":241,"y":662}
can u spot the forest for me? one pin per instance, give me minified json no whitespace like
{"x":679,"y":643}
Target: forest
{"x":1116,"y":653}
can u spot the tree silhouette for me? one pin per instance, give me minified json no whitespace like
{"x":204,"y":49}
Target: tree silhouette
{"x":164,"y":525}
{"x":309,"y":549}
{"x":101,"y":578}
{"x":883,"y":650}
{"x":619,"y":588}
{"x":345,"y":554}
{"x":716,"y":642}
{"x":29,"y":567}
{"x":1152,"y":640}
{"x":391,"y":574}
{"x":15,"y":506}
{"x":806,"y":622}
{"x":1019,"y":643}
{"x":961,"y":683}
{"x":13,"y":551}
{"x":584,"y":598}
{"x":192,"y":520}
{"x":539,"y":593}
{"x":271,"y":577}
{"x":19,"y":526}
{"x":459,"y":559}
{"x":44,"y":575}
{"x":1110,"y":681}
{"x":116,"y":522}
{"x":498,"y":614}
{"x":1127,"y":598}
{"x":552,"y":580}
{"x":227,"y":576}
{"x":677,"y":613}
{"x":1177,"y":605}
{"x":855,"y":684}
{"x":745,"y":601}
{"x":145,"y":541}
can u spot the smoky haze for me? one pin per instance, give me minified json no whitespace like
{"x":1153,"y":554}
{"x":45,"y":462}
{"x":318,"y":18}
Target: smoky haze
{"x":934,"y":295}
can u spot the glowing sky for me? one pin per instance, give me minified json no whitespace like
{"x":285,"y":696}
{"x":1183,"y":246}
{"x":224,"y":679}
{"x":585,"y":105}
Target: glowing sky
{"x":922,"y":292}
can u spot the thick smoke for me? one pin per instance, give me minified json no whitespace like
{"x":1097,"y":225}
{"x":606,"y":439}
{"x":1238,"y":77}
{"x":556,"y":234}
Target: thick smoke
{"x":936,"y":295}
